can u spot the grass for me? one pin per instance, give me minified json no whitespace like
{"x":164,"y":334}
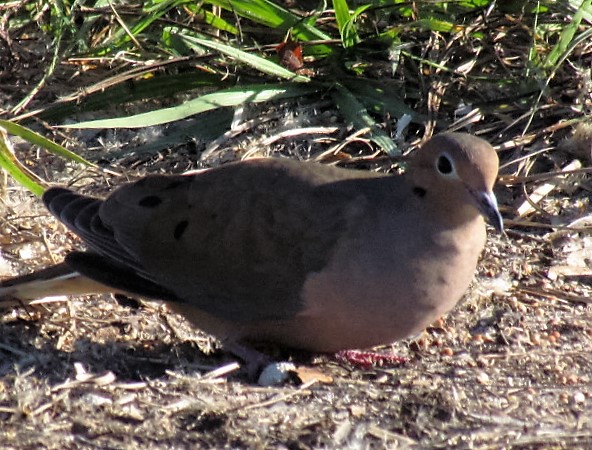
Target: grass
{"x":365,"y":57}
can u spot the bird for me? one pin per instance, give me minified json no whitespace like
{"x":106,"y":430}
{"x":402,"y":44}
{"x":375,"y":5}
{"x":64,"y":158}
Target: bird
{"x":301,"y":254}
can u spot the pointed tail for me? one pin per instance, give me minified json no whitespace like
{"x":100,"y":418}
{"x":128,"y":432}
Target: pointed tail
{"x":58,"y":280}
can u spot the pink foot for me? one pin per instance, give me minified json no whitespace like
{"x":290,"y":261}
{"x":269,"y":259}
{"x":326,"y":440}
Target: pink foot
{"x":367,"y":360}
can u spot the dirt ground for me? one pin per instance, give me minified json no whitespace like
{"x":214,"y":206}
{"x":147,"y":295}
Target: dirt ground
{"x":510,"y":367}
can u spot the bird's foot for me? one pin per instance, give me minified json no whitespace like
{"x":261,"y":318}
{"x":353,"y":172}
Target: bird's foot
{"x":367,"y":360}
{"x":255,"y":361}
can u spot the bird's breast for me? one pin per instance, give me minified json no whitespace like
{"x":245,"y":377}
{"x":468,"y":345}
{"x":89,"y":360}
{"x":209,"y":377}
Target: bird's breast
{"x":385,"y":292}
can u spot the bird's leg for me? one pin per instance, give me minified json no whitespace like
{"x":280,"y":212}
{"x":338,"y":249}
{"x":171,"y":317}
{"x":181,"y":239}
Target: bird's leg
{"x":255,"y":361}
{"x":367,"y":359}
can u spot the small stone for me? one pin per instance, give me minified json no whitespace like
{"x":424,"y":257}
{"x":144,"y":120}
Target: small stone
{"x":579,"y":397}
{"x":482,"y":377}
{"x":276,"y":373}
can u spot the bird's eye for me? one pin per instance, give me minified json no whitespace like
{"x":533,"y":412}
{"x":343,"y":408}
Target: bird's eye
{"x":444,"y":165}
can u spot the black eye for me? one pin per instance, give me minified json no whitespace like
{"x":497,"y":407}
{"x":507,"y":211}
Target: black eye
{"x":444,"y":165}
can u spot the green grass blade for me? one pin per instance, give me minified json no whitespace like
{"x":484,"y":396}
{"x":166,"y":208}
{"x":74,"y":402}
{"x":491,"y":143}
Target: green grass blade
{"x":356,"y":113}
{"x":257,"y":62}
{"x":216,"y":21}
{"x":345,"y":22}
{"x":152,"y":13}
{"x":281,"y":20}
{"x":207,"y":127}
{"x":228,"y":97}
{"x":567,"y":35}
{"x":37,"y":139}
{"x":267,"y":13}
{"x":379,"y":98}
{"x":119,"y":90}
{"x":15,"y":169}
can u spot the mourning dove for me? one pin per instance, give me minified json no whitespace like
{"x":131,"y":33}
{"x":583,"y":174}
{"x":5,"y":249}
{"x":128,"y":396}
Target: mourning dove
{"x":301,"y":254}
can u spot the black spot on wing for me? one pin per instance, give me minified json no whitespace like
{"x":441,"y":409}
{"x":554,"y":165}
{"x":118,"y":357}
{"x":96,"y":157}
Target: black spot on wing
{"x":150,"y":201}
{"x":419,"y":191}
{"x":180,"y":229}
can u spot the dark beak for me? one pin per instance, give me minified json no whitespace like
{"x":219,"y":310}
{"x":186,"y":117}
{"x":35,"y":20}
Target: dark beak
{"x":487,"y":204}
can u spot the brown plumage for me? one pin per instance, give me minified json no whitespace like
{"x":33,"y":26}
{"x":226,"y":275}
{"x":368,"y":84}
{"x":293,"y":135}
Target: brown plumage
{"x":306,"y":255}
